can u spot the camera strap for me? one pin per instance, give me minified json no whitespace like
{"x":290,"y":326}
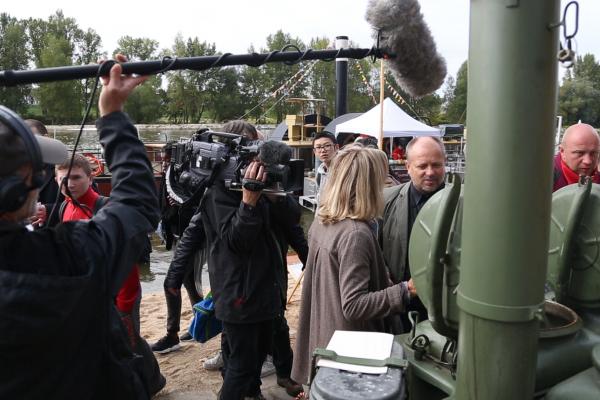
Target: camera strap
{"x":199,"y":193}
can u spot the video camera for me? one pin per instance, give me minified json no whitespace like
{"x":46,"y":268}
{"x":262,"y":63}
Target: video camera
{"x":208,"y":157}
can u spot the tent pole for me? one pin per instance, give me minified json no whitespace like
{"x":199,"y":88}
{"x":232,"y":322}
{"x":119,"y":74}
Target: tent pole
{"x":381,"y":94}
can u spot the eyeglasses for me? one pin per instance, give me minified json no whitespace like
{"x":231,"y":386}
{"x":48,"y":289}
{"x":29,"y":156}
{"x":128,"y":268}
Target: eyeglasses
{"x":323,"y":147}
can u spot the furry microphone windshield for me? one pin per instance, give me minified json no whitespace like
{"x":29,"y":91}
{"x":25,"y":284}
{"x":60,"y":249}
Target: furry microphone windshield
{"x":415,"y":63}
{"x":274,"y":152}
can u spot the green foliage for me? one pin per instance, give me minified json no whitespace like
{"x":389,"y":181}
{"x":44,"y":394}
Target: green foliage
{"x":579,"y":95}
{"x":276,"y":74}
{"x":587,"y":68}
{"x":455,"y":97}
{"x":136,"y":49}
{"x":228,"y":93}
{"x":14,"y":54}
{"x":359,"y":99}
{"x":188,"y":92}
{"x":225,"y":97}
{"x":579,"y":100}
{"x":144,"y":104}
{"x":60,"y":102}
{"x":321,"y":82}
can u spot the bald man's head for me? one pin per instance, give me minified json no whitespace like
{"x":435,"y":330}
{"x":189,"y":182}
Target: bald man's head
{"x":579,"y":149}
{"x":425,"y":163}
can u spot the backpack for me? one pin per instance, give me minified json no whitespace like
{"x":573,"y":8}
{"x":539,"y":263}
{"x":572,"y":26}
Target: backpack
{"x":101,"y":201}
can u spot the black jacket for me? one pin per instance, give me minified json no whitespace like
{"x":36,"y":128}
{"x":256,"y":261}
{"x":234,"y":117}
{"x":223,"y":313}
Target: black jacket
{"x":192,"y":240}
{"x":286,"y":211}
{"x":245,"y":257}
{"x":60,"y":335}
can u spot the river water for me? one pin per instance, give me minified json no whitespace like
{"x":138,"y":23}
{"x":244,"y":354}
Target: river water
{"x":153,"y":274}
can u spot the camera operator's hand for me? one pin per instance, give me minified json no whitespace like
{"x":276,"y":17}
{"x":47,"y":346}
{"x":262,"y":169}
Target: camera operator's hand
{"x":256,"y":172}
{"x":117,"y":88}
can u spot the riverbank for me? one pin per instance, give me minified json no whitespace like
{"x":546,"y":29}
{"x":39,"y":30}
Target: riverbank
{"x":186,"y":378}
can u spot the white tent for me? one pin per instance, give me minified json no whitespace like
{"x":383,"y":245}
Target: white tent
{"x":396,"y":123}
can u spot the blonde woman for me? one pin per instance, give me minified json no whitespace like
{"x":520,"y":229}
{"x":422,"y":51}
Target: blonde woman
{"x":346,"y":284}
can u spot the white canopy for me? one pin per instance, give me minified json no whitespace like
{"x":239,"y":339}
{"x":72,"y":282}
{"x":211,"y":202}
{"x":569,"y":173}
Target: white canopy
{"x":396,"y":123}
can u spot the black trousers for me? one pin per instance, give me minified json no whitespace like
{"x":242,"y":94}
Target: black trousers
{"x":283,"y":357}
{"x":174,"y":279}
{"x":244,"y":348}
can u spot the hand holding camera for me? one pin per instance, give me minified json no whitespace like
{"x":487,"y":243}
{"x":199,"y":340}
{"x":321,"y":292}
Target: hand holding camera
{"x":253,"y":183}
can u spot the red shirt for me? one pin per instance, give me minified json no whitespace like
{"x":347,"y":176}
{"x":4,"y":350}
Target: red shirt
{"x":131,"y":288}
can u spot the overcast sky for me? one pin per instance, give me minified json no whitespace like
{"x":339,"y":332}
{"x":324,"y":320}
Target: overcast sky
{"x":233,"y":25}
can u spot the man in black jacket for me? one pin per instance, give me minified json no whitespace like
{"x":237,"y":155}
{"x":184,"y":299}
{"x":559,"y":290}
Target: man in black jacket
{"x":245,"y":261}
{"x":60,"y":334}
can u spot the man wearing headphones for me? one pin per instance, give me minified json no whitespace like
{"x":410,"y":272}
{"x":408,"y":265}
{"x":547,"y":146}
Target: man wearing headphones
{"x":60,"y":334}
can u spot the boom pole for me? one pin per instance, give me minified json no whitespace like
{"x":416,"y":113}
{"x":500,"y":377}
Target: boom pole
{"x":21,"y":77}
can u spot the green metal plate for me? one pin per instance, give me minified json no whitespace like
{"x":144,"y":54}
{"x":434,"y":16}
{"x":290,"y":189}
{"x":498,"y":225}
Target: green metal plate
{"x":434,"y":256}
{"x":574,"y":252}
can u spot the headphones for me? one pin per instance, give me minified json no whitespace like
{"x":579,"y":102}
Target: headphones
{"x":13,"y":188}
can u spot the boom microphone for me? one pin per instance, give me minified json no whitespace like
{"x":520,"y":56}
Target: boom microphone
{"x":416,"y":64}
{"x":274,"y":152}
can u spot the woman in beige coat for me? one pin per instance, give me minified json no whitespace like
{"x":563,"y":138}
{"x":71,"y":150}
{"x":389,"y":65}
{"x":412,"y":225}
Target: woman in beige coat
{"x":346,"y":284}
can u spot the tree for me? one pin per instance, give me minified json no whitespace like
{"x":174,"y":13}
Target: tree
{"x":254,"y":93}
{"x":144,"y":103}
{"x":136,"y":49}
{"x":88,"y":52}
{"x":225,"y":97}
{"x":456,"y":101}
{"x":278,"y":74}
{"x":579,"y":94}
{"x":14,"y":54}
{"x":359,"y":86}
{"x":59,"y":102}
{"x":587,"y":68}
{"x":53,"y":43}
{"x":579,"y":100}
{"x":321,"y":82}
{"x":189,"y":92}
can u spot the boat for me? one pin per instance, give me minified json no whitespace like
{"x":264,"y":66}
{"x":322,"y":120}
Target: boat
{"x":101,"y":172}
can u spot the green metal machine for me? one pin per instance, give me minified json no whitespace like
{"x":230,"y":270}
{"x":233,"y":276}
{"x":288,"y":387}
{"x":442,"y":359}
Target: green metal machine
{"x":509,"y":272}
{"x":482,"y":254}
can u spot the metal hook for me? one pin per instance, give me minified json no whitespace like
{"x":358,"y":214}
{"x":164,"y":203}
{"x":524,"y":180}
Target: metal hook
{"x":564,"y":21}
{"x":566,"y":55}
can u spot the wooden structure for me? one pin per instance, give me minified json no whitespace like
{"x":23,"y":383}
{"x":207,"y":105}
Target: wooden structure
{"x":299,"y":132}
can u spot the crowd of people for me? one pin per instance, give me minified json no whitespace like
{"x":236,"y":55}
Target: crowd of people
{"x":71,"y":291}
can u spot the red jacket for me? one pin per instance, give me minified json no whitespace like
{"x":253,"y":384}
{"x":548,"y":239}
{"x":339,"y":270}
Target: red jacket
{"x":131,"y":288}
{"x":560,"y":175}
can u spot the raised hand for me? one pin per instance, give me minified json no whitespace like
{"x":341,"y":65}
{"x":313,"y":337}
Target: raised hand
{"x":117,"y":88}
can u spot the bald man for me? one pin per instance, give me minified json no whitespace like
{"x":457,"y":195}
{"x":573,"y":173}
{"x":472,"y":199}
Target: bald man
{"x":578,"y":155}
{"x":425,"y":163}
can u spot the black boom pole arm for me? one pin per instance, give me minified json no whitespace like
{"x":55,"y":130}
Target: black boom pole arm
{"x":23,"y":77}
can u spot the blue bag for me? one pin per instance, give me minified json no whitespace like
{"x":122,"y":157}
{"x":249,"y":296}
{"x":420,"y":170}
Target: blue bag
{"x":205,"y":324}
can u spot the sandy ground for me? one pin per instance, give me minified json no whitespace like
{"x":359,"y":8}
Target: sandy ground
{"x":186,"y":378}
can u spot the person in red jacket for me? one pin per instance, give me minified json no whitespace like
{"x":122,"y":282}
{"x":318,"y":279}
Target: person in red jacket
{"x":578,"y":156}
{"x":82,"y":202}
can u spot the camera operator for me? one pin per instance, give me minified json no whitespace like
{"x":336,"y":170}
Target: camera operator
{"x":60,"y":334}
{"x":244,"y":262}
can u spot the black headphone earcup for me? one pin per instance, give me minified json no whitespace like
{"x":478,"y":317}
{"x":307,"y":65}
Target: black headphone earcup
{"x":13,"y":193}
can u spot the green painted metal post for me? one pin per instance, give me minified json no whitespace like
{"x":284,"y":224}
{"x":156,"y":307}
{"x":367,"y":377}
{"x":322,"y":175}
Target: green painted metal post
{"x":511,"y":106}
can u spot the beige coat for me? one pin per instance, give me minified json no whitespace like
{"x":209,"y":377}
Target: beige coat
{"x":346,"y":287}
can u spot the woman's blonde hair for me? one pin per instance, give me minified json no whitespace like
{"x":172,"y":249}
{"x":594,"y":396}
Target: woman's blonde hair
{"x":354,"y":187}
